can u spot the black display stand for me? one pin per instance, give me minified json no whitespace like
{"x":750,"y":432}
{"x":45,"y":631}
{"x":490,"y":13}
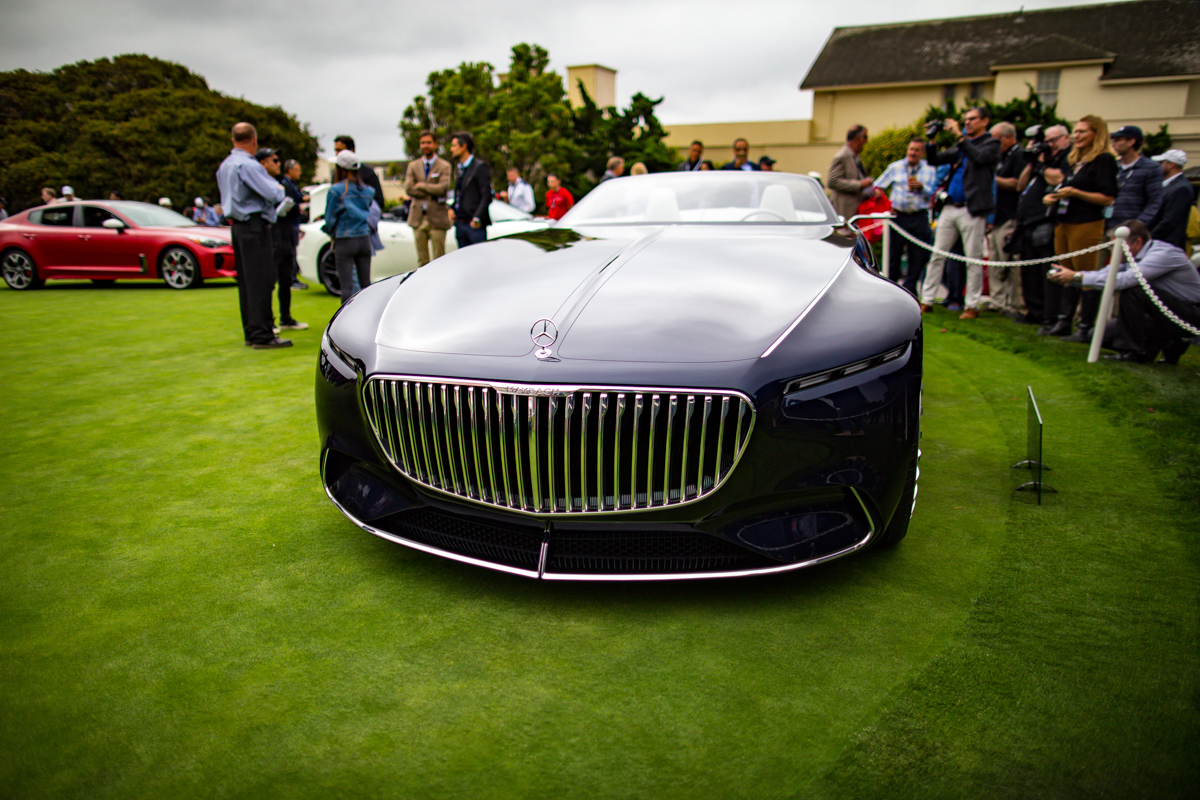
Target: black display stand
{"x":1033,"y":451}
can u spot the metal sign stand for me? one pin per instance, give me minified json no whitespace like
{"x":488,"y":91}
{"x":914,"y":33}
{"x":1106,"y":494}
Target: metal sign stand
{"x":1033,"y":452}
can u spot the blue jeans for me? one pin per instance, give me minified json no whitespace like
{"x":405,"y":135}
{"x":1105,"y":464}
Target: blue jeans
{"x":467,"y":235}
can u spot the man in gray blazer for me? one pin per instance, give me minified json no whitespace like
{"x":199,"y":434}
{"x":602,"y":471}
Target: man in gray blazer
{"x":847,"y":180}
{"x":426,"y":181}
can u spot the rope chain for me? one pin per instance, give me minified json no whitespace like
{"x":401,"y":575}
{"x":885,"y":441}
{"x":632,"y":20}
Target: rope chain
{"x":1004,"y":264}
{"x":1168,"y":313}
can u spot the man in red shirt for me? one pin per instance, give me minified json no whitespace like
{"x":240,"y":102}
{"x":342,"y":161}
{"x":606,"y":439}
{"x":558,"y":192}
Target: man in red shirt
{"x":558,"y":199}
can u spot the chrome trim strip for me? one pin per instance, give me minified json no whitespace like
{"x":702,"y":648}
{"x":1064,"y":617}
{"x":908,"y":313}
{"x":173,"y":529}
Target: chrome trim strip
{"x":487,"y":432}
{"x":617,"y":452}
{"x":637,"y":423}
{"x":687,"y":433}
{"x":550,"y":451}
{"x":807,"y":309}
{"x":475,"y":441}
{"x":569,"y":407}
{"x":535,"y":461}
{"x":448,"y":481}
{"x":562,"y":576}
{"x":703,"y":440}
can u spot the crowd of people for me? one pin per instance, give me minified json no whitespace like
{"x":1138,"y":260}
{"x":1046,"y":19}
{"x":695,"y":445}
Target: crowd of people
{"x":1061,"y":193}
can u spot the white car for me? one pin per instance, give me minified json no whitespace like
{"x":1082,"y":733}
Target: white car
{"x":399,"y":254}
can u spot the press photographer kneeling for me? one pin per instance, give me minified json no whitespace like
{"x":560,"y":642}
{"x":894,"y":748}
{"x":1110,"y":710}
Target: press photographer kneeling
{"x":1141,"y":330}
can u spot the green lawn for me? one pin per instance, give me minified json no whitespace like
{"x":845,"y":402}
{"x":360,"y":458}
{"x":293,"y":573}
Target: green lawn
{"x":184,"y":614}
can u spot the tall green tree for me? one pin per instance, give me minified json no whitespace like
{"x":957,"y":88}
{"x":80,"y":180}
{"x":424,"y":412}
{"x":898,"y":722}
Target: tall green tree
{"x":138,"y":125}
{"x":522,"y":119}
{"x":633,"y":133}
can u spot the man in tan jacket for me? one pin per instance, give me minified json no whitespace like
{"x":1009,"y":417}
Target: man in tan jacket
{"x":847,"y":179}
{"x":426,"y":181}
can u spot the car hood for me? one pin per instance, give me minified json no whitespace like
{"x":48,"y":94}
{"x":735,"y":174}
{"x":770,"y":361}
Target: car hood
{"x":673,"y":294}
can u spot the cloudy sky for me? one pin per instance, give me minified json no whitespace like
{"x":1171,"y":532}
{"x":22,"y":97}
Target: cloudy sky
{"x":353,"y":66}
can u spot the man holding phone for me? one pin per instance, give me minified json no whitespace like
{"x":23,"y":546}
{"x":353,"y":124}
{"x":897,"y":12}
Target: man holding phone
{"x":910,"y":183}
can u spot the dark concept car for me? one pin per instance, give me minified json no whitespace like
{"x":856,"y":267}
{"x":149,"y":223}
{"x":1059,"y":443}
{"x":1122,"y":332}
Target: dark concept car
{"x":688,"y":376}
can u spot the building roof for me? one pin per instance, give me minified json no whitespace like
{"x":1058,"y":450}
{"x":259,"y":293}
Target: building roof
{"x":1143,"y":39}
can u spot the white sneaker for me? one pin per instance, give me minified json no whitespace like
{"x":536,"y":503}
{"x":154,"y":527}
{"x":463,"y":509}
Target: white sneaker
{"x":292,"y":325}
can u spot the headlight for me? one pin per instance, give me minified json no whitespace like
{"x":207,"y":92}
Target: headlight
{"x":209,"y":241}
{"x":337,"y":367}
{"x":830,"y":375}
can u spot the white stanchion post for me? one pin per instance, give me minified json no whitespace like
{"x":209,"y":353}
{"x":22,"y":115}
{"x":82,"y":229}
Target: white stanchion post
{"x":1120,"y":235}
{"x":887,"y":245}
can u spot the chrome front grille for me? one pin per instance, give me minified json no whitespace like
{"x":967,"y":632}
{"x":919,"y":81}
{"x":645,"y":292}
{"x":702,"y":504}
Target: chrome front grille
{"x":559,"y":449}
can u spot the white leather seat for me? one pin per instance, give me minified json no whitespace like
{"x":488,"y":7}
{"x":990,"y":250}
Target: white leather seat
{"x":776,"y":198}
{"x":663,"y":206}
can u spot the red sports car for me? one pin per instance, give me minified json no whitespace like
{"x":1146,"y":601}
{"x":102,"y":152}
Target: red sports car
{"x":110,"y":241}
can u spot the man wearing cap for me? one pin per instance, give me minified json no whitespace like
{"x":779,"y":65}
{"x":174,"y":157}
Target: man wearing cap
{"x":283,"y":249}
{"x":68,"y":195}
{"x":203,"y":214}
{"x":1170,"y":223}
{"x":766,"y":164}
{"x":1139,"y":180}
{"x":249,"y":196}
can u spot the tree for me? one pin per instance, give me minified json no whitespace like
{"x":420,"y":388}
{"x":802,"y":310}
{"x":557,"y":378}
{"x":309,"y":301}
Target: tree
{"x":145,"y":127}
{"x":523,"y":119}
{"x":634,"y":134}
{"x":1157,"y":143}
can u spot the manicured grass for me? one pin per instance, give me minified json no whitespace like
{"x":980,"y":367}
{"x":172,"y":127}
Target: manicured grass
{"x":185,"y":614}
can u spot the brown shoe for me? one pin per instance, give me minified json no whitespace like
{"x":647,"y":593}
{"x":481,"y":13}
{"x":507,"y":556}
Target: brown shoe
{"x":970,"y":313}
{"x":926,"y":308}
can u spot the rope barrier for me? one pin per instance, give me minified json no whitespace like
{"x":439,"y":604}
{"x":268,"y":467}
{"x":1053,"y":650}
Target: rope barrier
{"x":1050,"y":259}
{"x":1007,"y":264}
{"x":1168,"y":313}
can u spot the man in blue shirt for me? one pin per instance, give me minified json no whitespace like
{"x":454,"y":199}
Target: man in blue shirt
{"x":912,"y":182}
{"x":1141,"y":329}
{"x":248,"y":197}
{"x":1139,"y":180}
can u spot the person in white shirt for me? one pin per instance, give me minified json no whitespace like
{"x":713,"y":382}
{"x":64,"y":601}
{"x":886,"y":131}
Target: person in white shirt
{"x":519,"y":193}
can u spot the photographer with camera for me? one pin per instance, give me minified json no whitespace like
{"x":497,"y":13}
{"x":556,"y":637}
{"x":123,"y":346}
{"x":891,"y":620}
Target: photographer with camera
{"x":1082,"y":200}
{"x":1046,"y":164}
{"x":1141,"y":329}
{"x":969,"y":200}
{"x":1005,"y":281}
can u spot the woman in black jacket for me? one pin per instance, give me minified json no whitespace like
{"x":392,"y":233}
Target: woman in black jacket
{"x":1082,"y":200}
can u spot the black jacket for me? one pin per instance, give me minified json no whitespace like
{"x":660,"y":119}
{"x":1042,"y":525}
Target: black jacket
{"x":1170,"y":223}
{"x":473,"y":192}
{"x":982,"y":154}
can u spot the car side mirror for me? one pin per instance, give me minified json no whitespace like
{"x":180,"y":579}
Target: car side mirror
{"x":114,"y":224}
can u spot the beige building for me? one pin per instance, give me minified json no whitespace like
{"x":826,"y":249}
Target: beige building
{"x":1135,"y":63}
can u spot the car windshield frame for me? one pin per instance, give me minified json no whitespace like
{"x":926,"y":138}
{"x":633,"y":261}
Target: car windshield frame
{"x":147,"y":215}
{"x":705,"y":198}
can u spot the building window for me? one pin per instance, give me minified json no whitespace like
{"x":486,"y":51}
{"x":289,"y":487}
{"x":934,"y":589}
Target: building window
{"x":1047,"y":86}
{"x":976,"y":92}
{"x":948,"y":95}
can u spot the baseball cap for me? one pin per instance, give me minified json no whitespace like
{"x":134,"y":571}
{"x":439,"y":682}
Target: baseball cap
{"x":165,"y":202}
{"x":766,"y":160}
{"x":1128,"y":132}
{"x":67,"y":190}
{"x":198,"y":202}
{"x":347,"y":159}
{"x":264,"y":153}
{"x":1174,"y":156}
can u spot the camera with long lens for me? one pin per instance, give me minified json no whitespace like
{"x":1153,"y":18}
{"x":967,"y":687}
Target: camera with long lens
{"x":1037,"y":142}
{"x":934,"y":127}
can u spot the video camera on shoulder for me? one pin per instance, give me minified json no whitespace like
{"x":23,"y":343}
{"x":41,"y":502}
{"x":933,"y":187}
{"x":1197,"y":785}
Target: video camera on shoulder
{"x":1037,"y":143}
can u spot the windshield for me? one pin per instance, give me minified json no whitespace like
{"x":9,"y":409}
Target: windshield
{"x":752,"y":198}
{"x":149,"y":216}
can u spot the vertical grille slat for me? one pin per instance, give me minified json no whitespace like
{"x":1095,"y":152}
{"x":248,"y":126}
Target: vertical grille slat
{"x":574,"y":451}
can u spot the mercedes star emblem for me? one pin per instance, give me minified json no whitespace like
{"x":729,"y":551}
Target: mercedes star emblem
{"x":544,"y":333}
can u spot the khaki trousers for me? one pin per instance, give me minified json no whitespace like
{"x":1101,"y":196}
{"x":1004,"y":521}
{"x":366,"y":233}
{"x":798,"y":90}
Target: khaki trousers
{"x":425,"y":233}
{"x":955,"y":222}
{"x":1005,"y":281}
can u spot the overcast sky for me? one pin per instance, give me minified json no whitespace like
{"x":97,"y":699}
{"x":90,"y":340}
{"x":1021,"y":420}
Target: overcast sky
{"x":353,"y":66}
